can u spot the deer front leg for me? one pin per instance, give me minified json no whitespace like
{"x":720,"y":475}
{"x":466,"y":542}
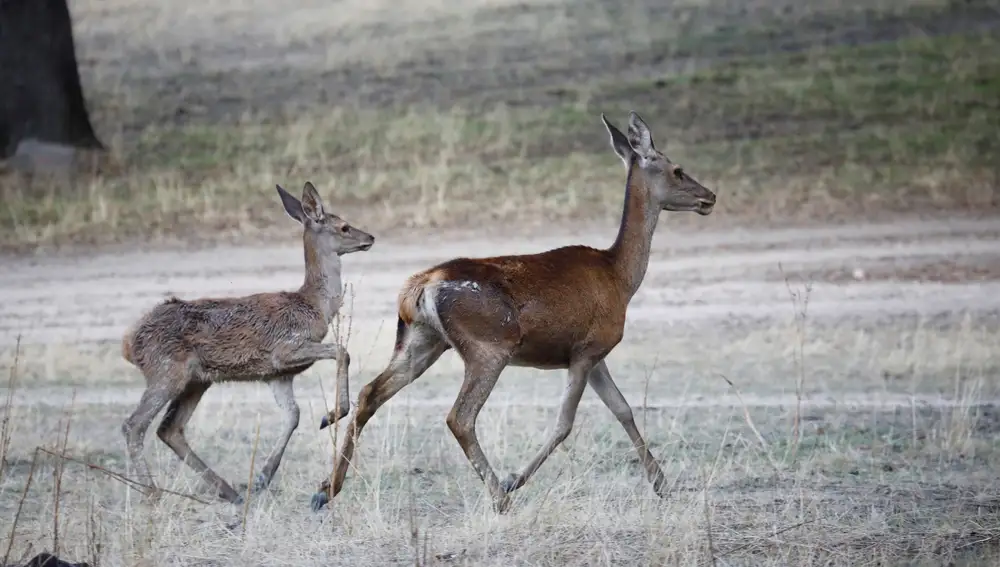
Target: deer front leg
{"x":311,"y":352}
{"x":602,"y":383}
{"x":307,"y":353}
{"x":343,"y":395}
{"x":576,"y":383}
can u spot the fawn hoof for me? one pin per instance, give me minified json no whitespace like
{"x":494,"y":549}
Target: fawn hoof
{"x":511,"y":483}
{"x":319,"y":500}
{"x":501,"y":505}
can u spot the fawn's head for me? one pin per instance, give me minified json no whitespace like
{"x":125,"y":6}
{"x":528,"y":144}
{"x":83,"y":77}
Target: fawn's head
{"x":669,"y":185}
{"x":329,"y":233}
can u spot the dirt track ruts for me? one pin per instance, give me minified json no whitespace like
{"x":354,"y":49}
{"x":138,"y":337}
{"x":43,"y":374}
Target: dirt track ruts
{"x":692,"y":276}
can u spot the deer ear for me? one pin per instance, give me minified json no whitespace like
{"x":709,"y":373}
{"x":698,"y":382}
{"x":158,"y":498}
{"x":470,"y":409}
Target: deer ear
{"x":312,"y":206}
{"x":639,"y":136}
{"x":618,"y":140}
{"x":292,"y":205}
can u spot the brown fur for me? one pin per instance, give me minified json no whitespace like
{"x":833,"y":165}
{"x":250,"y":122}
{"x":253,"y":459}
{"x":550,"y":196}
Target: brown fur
{"x":537,"y":287}
{"x":184,"y":346}
{"x":560,"y":309}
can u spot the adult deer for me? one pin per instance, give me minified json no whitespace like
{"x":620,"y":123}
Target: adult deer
{"x":183,"y":347}
{"x":560,"y":309}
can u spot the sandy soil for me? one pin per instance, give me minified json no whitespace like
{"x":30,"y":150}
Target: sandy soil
{"x":691,"y":277}
{"x":726,"y":283}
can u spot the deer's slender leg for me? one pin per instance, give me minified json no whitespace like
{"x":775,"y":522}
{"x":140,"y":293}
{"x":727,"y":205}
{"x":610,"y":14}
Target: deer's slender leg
{"x":600,"y":380}
{"x":171,"y":431}
{"x":576,"y":383}
{"x":422,"y":347}
{"x":308,"y":353}
{"x":343,"y":396}
{"x":284,"y":396}
{"x":159,"y":392}
{"x":481,"y":374}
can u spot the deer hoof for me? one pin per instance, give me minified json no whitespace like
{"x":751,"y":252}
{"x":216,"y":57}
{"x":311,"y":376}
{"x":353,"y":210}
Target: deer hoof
{"x":260,"y":482}
{"x":324,"y":423}
{"x":238,"y":500}
{"x":660,"y":488}
{"x":511,"y":483}
{"x":502,"y":504}
{"x":319,"y":500}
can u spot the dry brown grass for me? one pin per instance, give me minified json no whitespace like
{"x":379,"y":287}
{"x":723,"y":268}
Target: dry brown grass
{"x":428,"y":115}
{"x":884,"y":482}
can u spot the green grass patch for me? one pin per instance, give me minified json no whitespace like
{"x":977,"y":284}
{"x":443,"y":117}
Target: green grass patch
{"x":895,"y":126}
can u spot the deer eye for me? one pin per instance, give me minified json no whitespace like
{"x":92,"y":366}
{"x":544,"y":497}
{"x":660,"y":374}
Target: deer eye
{"x":345,"y":229}
{"x":679,"y":173}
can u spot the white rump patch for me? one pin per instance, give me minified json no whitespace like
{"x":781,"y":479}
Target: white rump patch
{"x":460,"y":285}
{"x":428,"y":306}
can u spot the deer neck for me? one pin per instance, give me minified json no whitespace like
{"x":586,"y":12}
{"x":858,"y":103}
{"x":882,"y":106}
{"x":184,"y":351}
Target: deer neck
{"x":322,"y":286}
{"x":630,"y":251}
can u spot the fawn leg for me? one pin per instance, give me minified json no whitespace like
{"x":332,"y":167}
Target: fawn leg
{"x":421,"y":348}
{"x":600,"y":380}
{"x":343,"y":397}
{"x":284,"y":396}
{"x":576,"y":382}
{"x":308,"y":353}
{"x":171,"y":432}
{"x":160,"y":391}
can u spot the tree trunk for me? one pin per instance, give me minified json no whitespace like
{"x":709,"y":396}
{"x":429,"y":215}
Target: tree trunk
{"x":40,"y":94}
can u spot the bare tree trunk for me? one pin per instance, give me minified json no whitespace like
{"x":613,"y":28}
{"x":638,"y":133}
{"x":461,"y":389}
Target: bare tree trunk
{"x":40,"y":94}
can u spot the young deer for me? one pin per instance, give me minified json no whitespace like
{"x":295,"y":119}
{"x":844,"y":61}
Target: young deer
{"x":560,"y":309}
{"x":183,"y":347}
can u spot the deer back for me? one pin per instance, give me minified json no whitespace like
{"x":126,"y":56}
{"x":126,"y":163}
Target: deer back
{"x":230,"y":338}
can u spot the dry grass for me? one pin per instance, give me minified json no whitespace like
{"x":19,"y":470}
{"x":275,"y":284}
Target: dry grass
{"x":906,"y":480}
{"x":429,"y":115}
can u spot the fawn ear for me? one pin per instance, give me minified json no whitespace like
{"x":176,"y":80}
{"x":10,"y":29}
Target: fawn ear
{"x":292,"y":205}
{"x":639,"y":136}
{"x":312,"y":206}
{"x":618,"y":140}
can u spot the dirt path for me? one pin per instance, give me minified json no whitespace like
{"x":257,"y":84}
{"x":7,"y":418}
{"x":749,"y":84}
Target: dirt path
{"x":692,"y":277}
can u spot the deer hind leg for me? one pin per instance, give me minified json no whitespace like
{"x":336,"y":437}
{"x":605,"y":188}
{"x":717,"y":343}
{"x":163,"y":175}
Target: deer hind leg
{"x":284,"y":396}
{"x":171,"y":432}
{"x":481,"y":373}
{"x":576,"y":382}
{"x":481,"y":323}
{"x":420,"y":348}
{"x":160,"y":390}
{"x":600,"y":380}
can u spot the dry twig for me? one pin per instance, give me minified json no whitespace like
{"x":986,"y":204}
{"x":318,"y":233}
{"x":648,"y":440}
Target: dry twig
{"x":120,"y":477}
{"x":246,"y":496}
{"x":20,"y":505}
{"x":750,"y":423}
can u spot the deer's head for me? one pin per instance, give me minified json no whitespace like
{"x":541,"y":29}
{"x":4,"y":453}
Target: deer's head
{"x":669,"y":185}
{"x":328,"y":233}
